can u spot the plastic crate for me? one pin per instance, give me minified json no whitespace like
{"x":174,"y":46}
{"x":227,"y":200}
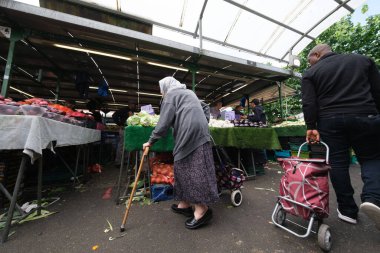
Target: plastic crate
{"x":282,"y":153}
{"x":354,"y":160}
{"x":303,"y":154}
{"x":161,"y":192}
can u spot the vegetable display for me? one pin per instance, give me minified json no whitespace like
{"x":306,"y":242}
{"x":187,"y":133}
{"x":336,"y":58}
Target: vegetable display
{"x":143,"y":119}
{"x":220,"y":123}
{"x":291,"y":123}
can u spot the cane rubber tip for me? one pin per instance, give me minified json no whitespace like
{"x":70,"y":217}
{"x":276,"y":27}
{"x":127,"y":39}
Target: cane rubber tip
{"x":122,"y":229}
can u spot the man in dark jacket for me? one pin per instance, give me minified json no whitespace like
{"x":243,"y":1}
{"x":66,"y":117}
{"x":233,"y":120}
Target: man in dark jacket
{"x":258,"y":112}
{"x":341,"y":104}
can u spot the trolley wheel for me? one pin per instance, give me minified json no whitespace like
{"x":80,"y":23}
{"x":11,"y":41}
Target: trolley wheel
{"x":280,"y":216}
{"x":236,"y":198}
{"x":324,"y":237}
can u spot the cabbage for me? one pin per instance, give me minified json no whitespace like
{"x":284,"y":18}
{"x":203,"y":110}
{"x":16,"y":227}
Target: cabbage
{"x":143,"y":119}
{"x":154,"y":120}
{"x":133,"y":120}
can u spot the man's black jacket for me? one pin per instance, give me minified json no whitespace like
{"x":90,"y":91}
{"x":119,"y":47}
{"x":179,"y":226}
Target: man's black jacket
{"x":340,"y":84}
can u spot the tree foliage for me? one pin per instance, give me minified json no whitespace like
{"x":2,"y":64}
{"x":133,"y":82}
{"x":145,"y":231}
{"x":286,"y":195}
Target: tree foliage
{"x":343,"y":37}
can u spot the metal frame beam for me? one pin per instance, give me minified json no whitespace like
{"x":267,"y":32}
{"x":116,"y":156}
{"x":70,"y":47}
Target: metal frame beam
{"x":267,"y":18}
{"x":200,"y":18}
{"x":316,"y":24}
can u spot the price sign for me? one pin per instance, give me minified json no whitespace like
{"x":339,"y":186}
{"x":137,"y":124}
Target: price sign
{"x":147,"y":108}
{"x":228,"y":115}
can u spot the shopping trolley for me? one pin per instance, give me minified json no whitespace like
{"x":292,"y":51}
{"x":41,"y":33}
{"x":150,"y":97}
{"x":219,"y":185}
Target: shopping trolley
{"x":304,"y":192}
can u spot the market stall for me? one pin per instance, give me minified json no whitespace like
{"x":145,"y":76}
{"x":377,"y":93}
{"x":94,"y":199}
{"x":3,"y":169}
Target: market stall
{"x":237,"y":137}
{"x":32,"y":134}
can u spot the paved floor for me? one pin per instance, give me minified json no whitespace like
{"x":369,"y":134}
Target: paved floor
{"x":81,"y":219}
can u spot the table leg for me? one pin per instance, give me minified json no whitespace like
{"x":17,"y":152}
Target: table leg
{"x":39,"y":187}
{"x":121,"y":174}
{"x":253,"y":164}
{"x":9,"y":197}
{"x":14,"y":198}
{"x":67,"y":166}
{"x":77,"y":163}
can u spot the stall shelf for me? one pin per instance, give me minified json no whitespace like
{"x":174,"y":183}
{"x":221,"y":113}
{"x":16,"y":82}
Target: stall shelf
{"x":32,"y":134}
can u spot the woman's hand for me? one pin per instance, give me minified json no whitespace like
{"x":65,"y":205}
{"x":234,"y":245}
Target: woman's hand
{"x":146,"y":144}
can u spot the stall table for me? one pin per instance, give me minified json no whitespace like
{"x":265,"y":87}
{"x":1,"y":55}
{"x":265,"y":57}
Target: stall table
{"x":32,"y":134}
{"x":238,"y":137}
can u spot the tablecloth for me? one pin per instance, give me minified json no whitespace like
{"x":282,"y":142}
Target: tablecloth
{"x":136,"y":136}
{"x":290,"y":131}
{"x":239,"y":137}
{"x":33,"y":134}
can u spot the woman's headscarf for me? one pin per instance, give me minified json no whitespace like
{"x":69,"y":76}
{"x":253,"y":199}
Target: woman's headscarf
{"x":170,"y":83}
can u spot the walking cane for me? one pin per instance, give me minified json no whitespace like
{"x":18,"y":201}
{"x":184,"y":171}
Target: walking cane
{"x":122,"y":229}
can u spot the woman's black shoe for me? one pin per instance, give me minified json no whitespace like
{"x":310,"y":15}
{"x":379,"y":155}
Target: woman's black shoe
{"x":188,"y":212}
{"x":193,"y":223}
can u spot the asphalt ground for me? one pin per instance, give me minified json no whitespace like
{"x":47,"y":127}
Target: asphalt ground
{"x":82,"y":218}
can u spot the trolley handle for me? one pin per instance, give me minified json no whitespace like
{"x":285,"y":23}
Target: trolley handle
{"x":327,"y":150}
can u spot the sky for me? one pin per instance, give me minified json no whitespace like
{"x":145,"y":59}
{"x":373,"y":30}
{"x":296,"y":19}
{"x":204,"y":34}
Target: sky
{"x":373,"y":9}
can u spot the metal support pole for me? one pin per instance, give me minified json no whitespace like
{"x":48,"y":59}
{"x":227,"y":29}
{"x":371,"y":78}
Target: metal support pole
{"x":8,"y":69}
{"x":16,"y":35}
{"x":14,"y":198}
{"x":279,"y":84}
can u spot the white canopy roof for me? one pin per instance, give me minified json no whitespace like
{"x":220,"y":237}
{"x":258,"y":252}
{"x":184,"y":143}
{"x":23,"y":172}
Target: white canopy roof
{"x":243,"y":28}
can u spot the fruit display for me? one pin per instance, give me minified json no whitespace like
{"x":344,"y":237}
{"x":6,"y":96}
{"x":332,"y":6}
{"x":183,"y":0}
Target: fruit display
{"x":162,"y":170}
{"x":33,"y":110}
{"x":41,"y":107}
{"x":9,"y":109}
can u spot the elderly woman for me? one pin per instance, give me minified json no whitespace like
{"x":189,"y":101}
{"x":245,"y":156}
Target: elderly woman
{"x":194,"y":171}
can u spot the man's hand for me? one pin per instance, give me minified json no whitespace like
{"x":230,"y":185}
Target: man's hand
{"x":147,"y":144}
{"x":312,"y":136}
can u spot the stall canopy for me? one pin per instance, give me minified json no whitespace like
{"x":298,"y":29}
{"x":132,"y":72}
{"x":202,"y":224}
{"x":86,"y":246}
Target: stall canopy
{"x":127,"y":46}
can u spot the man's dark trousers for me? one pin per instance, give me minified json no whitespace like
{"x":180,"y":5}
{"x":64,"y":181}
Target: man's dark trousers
{"x":362,"y":133}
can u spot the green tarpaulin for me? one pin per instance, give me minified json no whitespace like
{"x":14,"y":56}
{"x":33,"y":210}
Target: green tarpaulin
{"x":136,"y":136}
{"x":246,"y":137}
{"x":242,"y":137}
{"x":290,"y":131}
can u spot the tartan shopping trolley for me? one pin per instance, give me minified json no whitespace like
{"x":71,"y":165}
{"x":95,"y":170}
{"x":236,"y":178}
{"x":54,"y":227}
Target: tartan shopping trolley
{"x":304,"y":192}
{"x":228,"y":176}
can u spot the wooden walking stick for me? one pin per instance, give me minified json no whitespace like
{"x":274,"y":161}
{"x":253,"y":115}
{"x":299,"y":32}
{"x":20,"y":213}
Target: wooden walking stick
{"x":122,"y":229}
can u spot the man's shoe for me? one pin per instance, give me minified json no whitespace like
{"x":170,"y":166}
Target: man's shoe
{"x":372,"y":211}
{"x":188,"y":212}
{"x":351,"y":220}
{"x":194,"y":224}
